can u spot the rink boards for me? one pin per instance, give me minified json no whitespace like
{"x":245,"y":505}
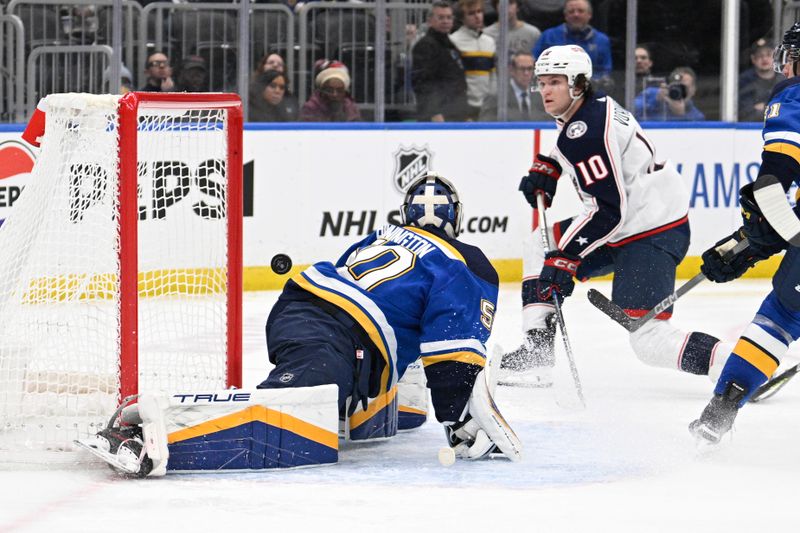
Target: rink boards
{"x":311,"y":190}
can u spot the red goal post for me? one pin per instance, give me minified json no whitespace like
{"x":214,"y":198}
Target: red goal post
{"x":129,"y":107}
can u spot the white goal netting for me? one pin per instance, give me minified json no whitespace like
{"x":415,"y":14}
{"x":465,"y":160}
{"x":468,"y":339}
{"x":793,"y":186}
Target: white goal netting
{"x":61,"y":333}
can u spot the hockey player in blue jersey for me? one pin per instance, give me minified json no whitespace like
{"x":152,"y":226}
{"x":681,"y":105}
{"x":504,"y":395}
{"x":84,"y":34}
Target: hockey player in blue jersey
{"x":634,"y":223}
{"x":402,"y":293}
{"x":776,"y":324}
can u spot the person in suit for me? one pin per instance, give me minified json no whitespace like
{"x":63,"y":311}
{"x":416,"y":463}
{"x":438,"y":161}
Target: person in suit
{"x":521,"y":106}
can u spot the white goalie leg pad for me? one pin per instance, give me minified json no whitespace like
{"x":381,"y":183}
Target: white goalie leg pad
{"x":150,"y":408}
{"x":492,"y":425}
{"x":412,"y":397}
{"x":235,"y":430}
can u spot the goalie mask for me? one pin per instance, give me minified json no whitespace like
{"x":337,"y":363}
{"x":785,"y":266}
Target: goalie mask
{"x":432,"y":201}
{"x":789,"y":49}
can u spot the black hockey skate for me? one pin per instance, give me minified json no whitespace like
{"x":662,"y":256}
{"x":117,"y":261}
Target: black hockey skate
{"x":121,"y":443}
{"x":531,"y":365}
{"x":718,"y":416}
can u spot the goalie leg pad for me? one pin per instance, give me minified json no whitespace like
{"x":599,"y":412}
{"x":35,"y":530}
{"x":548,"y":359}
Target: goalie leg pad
{"x":247,"y":430}
{"x":412,"y":395}
{"x":377,"y":421}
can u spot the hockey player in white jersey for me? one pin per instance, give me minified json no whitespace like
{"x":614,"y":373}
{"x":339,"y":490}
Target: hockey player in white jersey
{"x":342,"y":335}
{"x":634,"y":223}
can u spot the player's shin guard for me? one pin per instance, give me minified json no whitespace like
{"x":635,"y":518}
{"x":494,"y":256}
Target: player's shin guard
{"x":660,"y":344}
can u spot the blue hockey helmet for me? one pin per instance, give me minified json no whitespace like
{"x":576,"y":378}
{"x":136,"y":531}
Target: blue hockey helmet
{"x":432,"y":201}
{"x":789,"y":49}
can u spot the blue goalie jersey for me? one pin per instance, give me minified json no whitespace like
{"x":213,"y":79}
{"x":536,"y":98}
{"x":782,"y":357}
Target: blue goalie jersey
{"x":416,"y":293}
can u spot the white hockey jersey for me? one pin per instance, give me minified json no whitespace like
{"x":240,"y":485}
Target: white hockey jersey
{"x":626,"y":194}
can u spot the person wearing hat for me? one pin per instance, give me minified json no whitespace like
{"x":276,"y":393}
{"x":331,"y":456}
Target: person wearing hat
{"x":193,"y":76}
{"x":125,"y":80}
{"x":331,"y":101}
{"x":756,"y":83}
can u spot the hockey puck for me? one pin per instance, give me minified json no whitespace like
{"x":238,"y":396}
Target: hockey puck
{"x":281,"y":264}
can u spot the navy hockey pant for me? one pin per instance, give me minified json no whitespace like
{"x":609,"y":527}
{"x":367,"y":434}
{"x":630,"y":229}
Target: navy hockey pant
{"x":311,"y":347}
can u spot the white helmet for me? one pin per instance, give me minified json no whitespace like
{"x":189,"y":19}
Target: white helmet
{"x":567,"y":60}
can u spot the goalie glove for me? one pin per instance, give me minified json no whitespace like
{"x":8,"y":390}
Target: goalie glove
{"x":482,"y":430}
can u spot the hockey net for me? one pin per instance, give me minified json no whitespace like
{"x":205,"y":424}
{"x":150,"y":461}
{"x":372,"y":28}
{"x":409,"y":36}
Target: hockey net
{"x":121,"y":263}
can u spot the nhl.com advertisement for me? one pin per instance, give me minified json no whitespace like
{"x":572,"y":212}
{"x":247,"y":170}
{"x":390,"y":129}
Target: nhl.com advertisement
{"x":310,"y":192}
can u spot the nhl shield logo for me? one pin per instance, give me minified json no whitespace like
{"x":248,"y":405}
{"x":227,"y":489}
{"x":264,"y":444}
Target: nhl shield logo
{"x":410,"y":164}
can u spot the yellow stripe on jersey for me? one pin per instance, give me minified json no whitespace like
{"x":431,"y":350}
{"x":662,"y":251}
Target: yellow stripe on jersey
{"x":764,"y":362}
{"x":258,"y":413}
{"x":477,"y":53}
{"x":470,"y":358}
{"x":478,"y":72}
{"x":784,"y":148}
{"x":412,"y":410}
{"x":374,"y":407}
{"x":441,"y":243}
{"x":357,"y":314}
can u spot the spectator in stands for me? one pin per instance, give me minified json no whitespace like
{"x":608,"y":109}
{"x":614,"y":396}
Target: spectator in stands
{"x":521,"y":36}
{"x":644,"y":66}
{"x":274,"y":61}
{"x":331,"y":101}
{"x":576,"y":30}
{"x":756,"y":83}
{"x":193,"y":75}
{"x":672,"y":100}
{"x":477,"y":55}
{"x":521,"y":105}
{"x":159,"y":74}
{"x":125,"y":80}
{"x":437,"y":74}
{"x":268,"y":101}
{"x":270,"y":61}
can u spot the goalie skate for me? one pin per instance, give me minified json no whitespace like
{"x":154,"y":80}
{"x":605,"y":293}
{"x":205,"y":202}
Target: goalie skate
{"x":129,"y":458}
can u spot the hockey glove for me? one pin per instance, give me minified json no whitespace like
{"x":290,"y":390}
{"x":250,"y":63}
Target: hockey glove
{"x":482,"y":430}
{"x":542,"y":177}
{"x":720,"y":270}
{"x":557,"y":277}
{"x":756,"y":228}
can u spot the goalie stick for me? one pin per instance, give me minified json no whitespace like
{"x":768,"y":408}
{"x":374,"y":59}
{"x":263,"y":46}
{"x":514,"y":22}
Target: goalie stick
{"x":559,"y":315}
{"x":618,"y":315}
{"x":775,"y":384}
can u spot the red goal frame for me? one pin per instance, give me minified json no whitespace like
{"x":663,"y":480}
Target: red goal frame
{"x":129,"y":106}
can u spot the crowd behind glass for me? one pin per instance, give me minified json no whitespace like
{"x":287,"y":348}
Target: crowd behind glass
{"x":450,"y":69}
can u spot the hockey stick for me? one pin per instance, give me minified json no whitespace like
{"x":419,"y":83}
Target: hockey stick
{"x":771,"y":199}
{"x":618,"y":315}
{"x":775,"y":384}
{"x":559,"y":315}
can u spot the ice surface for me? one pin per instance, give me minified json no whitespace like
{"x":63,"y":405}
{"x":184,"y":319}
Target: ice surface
{"x":625,"y":464}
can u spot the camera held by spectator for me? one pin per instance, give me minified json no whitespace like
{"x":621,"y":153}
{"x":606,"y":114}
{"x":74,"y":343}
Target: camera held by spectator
{"x":677,"y":90}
